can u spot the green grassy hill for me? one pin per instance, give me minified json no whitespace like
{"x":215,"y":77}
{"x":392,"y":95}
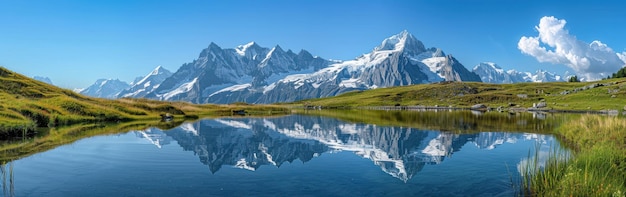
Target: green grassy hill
{"x":26,"y":104}
{"x":580,"y":95}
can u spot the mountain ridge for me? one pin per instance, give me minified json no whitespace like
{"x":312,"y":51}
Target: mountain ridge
{"x":490,"y":72}
{"x":105,"y":88}
{"x":254,"y":74}
{"x":146,"y":84}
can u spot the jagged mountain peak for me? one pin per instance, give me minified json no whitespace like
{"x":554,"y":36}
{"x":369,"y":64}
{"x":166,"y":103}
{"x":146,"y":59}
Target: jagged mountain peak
{"x":437,"y":52}
{"x":210,"y":50}
{"x":488,"y":66}
{"x":212,"y":44}
{"x":214,"y":47}
{"x":248,"y":45}
{"x":277,"y":48}
{"x":403,"y":41}
{"x":147,"y":83}
{"x":304,"y":54}
{"x":245,"y":48}
{"x":159,"y":69}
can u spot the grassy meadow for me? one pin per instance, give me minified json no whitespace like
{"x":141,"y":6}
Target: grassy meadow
{"x":466,"y":94}
{"x":597,"y":166}
{"x":26,"y":104}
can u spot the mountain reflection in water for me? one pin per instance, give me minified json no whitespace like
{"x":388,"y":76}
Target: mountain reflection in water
{"x":250,"y":143}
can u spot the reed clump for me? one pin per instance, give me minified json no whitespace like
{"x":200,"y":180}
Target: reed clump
{"x":595,"y":167}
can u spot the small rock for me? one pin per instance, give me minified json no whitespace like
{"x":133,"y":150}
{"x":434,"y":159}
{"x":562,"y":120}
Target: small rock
{"x":613,"y":96}
{"x":500,"y":109}
{"x":478,"y":107}
{"x":541,"y":104}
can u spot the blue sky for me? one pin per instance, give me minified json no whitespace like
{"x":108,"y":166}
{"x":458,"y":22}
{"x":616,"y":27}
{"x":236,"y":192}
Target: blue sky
{"x":76,"y":42}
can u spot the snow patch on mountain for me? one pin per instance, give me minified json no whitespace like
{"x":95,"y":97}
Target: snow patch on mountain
{"x":232,"y":88}
{"x":185,"y":87}
{"x":241,"y":49}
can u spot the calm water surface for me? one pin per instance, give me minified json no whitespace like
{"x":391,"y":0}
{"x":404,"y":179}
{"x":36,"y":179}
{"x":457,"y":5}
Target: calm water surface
{"x":295,"y":155}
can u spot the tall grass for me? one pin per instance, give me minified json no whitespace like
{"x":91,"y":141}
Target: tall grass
{"x":597,"y":166}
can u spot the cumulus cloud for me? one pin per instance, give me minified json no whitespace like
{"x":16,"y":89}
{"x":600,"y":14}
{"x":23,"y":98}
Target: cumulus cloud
{"x":555,"y":45}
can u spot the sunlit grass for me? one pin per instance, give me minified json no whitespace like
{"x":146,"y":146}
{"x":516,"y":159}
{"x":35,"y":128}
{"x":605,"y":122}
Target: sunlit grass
{"x":26,"y":104}
{"x":466,"y":94}
{"x":597,"y":167}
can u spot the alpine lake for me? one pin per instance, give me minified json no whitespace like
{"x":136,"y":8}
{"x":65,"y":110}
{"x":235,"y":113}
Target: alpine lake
{"x":312,"y":153}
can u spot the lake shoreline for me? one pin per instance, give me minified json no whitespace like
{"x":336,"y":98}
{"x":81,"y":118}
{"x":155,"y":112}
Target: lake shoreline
{"x":449,"y":108}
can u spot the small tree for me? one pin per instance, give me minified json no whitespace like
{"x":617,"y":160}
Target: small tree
{"x":620,"y":73}
{"x":573,"y":79}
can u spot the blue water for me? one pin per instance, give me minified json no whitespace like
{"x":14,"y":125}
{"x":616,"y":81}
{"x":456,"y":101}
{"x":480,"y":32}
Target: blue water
{"x":286,"y":156}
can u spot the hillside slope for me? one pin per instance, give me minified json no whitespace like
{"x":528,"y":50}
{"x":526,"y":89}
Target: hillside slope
{"x":26,"y":104}
{"x":600,"y":95}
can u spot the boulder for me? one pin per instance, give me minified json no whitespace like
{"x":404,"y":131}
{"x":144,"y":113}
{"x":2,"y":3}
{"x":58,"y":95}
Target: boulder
{"x":479,"y":107}
{"x":541,"y":105}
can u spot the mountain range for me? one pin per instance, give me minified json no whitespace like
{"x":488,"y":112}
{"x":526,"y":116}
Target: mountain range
{"x":254,"y":74}
{"x":105,"y":88}
{"x":114,"y":88}
{"x":490,"y":72}
{"x":144,"y":85}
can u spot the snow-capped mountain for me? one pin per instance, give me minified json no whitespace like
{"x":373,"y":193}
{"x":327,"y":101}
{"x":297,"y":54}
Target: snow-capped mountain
{"x":254,"y":74}
{"x":490,"y":72}
{"x":248,"y":66}
{"x":43,"y":79}
{"x":105,"y":88}
{"x":544,"y":76}
{"x":144,"y":85}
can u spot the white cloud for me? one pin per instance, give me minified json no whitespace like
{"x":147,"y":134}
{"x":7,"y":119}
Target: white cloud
{"x":555,"y":45}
